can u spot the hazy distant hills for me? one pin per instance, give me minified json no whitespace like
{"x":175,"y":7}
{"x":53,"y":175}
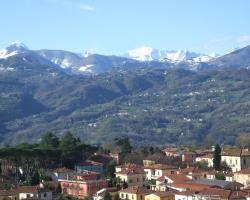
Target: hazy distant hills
{"x":150,"y":101}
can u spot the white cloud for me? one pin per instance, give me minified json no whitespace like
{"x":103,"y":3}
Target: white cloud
{"x":87,"y":7}
{"x":83,"y":7}
{"x":244,"y":39}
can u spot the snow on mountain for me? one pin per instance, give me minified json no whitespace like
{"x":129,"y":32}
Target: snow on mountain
{"x":13,"y":49}
{"x":145,"y":53}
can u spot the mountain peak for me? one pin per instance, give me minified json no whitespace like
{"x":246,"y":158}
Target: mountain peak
{"x":13,"y":49}
{"x":17,"y":45}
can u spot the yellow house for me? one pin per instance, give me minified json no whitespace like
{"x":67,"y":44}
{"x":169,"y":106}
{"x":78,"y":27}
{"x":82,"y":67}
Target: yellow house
{"x":160,"y":196}
{"x":134,"y":193}
{"x":237,"y":159}
{"x":243,"y":177}
{"x":133,"y":177}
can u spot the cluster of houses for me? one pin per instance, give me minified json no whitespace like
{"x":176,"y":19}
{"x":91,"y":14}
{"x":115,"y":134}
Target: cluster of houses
{"x":151,"y":180}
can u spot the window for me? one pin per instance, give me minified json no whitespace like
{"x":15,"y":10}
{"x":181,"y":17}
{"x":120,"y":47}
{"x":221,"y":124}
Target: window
{"x":137,"y":179}
{"x":141,"y":197}
{"x":130,"y":180}
{"x":244,"y":161}
{"x":132,"y":196}
{"x":122,"y":195}
{"x":45,"y":194}
{"x":126,"y":196}
{"x":236,"y":161}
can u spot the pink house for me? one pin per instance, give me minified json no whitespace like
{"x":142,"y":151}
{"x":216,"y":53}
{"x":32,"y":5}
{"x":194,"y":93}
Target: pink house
{"x":82,"y":185}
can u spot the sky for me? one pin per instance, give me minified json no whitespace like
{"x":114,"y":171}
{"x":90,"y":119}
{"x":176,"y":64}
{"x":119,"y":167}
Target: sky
{"x":116,"y":26}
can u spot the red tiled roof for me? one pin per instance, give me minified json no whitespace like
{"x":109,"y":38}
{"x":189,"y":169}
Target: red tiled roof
{"x":236,"y":152}
{"x":131,"y":171}
{"x":160,"y":166}
{"x":223,"y":194}
{"x":136,"y":190}
{"x":178,"y":178}
{"x":191,"y":186}
{"x":244,"y":171}
{"x":163,"y":194}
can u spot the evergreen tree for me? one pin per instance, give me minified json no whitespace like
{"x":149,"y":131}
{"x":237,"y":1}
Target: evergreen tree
{"x":217,"y":157}
{"x":58,"y":189}
{"x":49,"y":140}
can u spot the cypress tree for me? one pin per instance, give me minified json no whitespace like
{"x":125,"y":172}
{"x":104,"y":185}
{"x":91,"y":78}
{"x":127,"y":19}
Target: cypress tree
{"x":217,"y":157}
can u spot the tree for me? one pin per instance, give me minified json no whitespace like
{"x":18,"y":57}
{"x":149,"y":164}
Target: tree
{"x":49,"y":140}
{"x":151,"y":150}
{"x":110,"y":169}
{"x":124,"y":145}
{"x":220,"y":177}
{"x":124,"y":185}
{"x":107,"y":196}
{"x":58,"y":189}
{"x":217,"y":157}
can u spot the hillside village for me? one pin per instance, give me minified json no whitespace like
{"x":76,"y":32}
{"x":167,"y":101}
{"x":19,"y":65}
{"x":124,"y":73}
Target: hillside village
{"x":118,"y":171}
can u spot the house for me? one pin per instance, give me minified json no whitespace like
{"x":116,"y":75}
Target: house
{"x":119,"y":168}
{"x":90,"y":166}
{"x":160,"y":196}
{"x":215,"y":193}
{"x":134,"y":193}
{"x":26,"y":192}
{"x":236,"y":159}
{"x":132,"y":176}
{"x":188,"y":157}
{"x":171,"y":152}
{"x":83,"y":184}
{"x":60,"y":173}
{"x":101,"y":193}
{"x":208,"y":159}
{"x":157,"y":170}
{"x":163,"y":182}
{"x":8,"y":194}
{"x":243,"y":177}
{"x":185,"y":195}
{"x":227,"y":185}
{"x":193,"y":173}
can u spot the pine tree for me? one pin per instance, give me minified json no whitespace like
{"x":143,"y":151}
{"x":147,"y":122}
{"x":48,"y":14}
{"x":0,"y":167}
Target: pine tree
{"x":217,"y":157}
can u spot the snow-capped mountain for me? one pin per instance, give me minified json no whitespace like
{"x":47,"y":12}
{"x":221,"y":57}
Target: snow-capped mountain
{"x":76,"y":63}
{"x":13,"y":49}
{"x":145,"y":53}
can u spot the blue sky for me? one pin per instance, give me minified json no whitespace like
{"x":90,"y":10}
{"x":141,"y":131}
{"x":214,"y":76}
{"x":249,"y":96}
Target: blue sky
{"x":116,"y":26}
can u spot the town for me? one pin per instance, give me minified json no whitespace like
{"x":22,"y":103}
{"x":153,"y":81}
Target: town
{"x":66,"y":168}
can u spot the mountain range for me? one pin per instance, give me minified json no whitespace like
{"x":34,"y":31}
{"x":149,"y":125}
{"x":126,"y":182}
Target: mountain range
{"x":89,"y":64}
{"x":153,"y":101}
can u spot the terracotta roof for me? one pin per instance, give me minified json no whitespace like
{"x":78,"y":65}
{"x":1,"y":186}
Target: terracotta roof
{"x":207,"y":156}
{"x":178,"y":178}
{"x":236,"y":152}
{"x":160,"y":166}
{"x":131,"y":171}
{"x":223,"y":194}
{"x":244,"y":171}
{"x":63,"y":170}
{"x":238,"y":195}
{"x":187,"y":170}
{"x":90,"y":162}
{"x":27,"y":189}
{"x":136,"y":190}
{"x":163,"y":194}
{"x":186,"y":193}
{"x":171,"y":150}
{"x":191,"y":186}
